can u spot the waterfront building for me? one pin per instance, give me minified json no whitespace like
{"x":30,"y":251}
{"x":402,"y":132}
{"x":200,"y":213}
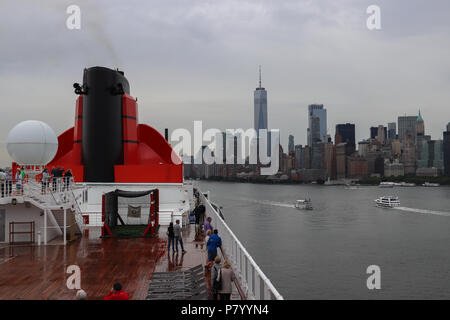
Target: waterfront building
{"x":428,"y":172}
{"x":341,"y":161}
{"x":308,"y":175}
{"x":317,"y":131}
{"x":393,"y":169}
{"x":357,"y":167}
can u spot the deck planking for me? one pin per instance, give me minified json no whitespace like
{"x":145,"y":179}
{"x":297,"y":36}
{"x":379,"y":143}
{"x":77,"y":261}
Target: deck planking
{"x":39,"y":272}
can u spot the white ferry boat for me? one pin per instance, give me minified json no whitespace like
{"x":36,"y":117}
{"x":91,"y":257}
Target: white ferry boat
{"x":429,"y":184}
{"x":386,"y":184}
{"x":406,"y":184}
{"x":387,"y":202}
{"x":304,"y":204}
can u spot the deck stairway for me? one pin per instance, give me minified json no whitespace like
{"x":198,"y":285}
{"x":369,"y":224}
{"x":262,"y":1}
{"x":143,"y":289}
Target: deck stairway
{"x":54,"y":202}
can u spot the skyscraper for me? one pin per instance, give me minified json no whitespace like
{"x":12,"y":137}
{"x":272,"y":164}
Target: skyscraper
{"x":317,"y":128}
{"x":345,"y":133}
{"x":420,"y":135}
{"x":446,"y":147}
{"x":407,"y":124}
{"x":260,"y":113}
{"x":392,"y":131}
{"x":291,"y":144}
{"x":373,"y":132}
{"x":260,"y":107}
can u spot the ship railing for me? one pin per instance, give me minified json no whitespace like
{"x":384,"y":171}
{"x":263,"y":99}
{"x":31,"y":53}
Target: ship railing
{"x":254,"y":282}
{"x":8,"y":189}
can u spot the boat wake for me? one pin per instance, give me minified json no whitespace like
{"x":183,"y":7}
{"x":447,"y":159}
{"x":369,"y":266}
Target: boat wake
{"x":271,"y":203}
{"x":424,"y":211}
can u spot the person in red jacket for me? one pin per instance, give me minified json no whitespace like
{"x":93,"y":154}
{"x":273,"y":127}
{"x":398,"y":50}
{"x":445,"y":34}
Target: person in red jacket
{"x":117,"y":293}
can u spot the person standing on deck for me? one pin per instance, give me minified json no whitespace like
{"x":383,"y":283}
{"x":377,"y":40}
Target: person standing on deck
{"x":170,"y":237}
{"x":227,"y":279}
{"x":216,"y":274}
{"x":2,"y":183}
{"x":177,"y":233}
{"x":213,"y":243}
{"x":67,"y":177}
{"x":18,"y":182}
{"x":208,"y":225}
{"x":44,"y":180}
{"x":9,"y":182}
{"x":117,"y":293}
{"x":53,"y":173}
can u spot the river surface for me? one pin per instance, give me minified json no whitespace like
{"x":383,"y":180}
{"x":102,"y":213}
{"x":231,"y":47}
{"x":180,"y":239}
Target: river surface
{"x":324,"y":253}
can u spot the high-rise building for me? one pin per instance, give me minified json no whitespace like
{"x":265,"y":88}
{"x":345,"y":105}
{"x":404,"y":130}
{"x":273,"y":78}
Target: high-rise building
{"x":317,"y":124}
{"x":260,"y":113}
{"x":407,"y":124}
{"x":381,"y":134}
{"x":260,"y":106}
{"x":446,"y":147}
{"x":341,"y":161}
{"x":299,"y":157}
{"x":345,"y":133}
{"x":330,"y":161}
{"x":392,"y":131}
{"x":317,"y":155}
{"x":373,"y":132}
{"x":408,"y":155}
{"x":420,"y":135}
{"x":291,"y":145}
{"x":363,"y":148}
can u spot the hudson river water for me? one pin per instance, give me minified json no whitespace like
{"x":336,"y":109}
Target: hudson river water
{"x":324,"y":253}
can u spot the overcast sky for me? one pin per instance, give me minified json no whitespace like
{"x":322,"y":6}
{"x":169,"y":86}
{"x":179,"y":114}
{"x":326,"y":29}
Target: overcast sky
{"x":192,"y":60}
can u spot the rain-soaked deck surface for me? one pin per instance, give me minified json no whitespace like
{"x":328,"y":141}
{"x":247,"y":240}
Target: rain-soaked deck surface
{"x":39,"y":272}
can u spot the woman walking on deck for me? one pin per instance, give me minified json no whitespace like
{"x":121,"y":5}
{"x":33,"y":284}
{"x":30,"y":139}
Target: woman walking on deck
{"x":216,"y":278}
{"x":227,"y":279}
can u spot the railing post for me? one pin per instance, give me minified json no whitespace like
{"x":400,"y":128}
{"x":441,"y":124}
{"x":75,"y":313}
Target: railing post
{"x":65,"y":223}
{"x":45,"y":226}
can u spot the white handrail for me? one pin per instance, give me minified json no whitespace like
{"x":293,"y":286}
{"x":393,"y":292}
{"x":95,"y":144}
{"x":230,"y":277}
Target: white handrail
{"x":251,"y":275}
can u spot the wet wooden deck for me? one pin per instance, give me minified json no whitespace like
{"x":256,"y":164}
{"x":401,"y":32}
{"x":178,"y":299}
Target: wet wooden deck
{"x":39,"y":272}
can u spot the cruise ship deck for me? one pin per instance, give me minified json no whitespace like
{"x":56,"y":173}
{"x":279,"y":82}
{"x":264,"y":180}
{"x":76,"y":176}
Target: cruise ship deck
{"x":34,"y":272}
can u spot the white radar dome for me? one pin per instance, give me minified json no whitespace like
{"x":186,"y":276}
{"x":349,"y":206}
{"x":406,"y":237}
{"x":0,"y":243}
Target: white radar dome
{"x":32,"y":143}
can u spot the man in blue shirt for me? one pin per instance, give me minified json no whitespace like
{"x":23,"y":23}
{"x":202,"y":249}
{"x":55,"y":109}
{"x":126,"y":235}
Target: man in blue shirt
{"x":213,"y":243}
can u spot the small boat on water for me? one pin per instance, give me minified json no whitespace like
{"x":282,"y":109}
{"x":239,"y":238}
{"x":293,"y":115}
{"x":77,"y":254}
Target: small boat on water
{"x":387,"y":202}
{"x":304,"y":204}
{"x":406,"y":184}
{"x":386,"y":184}
{"x":428,"y":184}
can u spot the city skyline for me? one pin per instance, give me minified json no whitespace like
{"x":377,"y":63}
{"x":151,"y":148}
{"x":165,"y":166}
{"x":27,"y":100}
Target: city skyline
{"x":198,"y":61}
